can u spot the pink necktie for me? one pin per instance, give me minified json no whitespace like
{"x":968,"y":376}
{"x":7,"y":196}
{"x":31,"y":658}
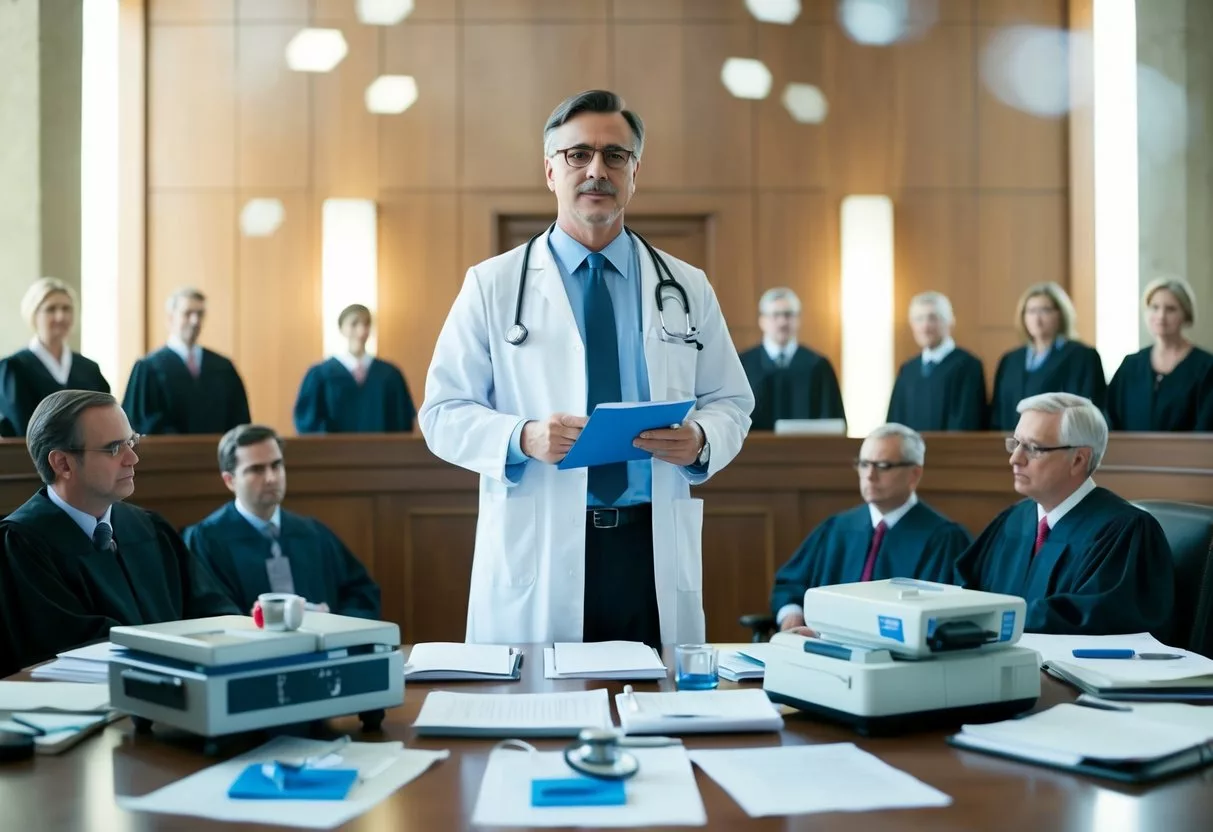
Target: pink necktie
{"x":191,"y":364}
{"x":1042,"y":534}
{"x":881,"y":528}
{"x":360,"y":373}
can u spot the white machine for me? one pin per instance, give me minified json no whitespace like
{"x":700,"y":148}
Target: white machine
{"x":902,"y":654}
{"x":223,"y":675}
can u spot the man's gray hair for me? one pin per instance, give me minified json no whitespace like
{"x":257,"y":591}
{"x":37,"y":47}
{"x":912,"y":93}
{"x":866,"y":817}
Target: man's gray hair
{"x":1082,"y":423}
{"x":591,"y":101}
{"x":913,"y":448}
{"x":55,"y":426}
{"x":184,"y":293}
{"x":937,"y":301}
{"x":773,"y":296}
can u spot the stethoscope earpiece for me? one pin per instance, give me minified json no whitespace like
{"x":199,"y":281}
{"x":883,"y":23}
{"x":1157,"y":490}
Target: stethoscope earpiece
{"x":597,"y":753}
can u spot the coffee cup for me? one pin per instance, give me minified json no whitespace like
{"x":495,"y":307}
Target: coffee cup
{"x":281,"y":611}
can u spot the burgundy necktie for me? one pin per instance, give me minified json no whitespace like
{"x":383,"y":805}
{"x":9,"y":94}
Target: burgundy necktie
{"x":881,"y":528}
{"x":192,"y":365}
{"x":1042,"y":534}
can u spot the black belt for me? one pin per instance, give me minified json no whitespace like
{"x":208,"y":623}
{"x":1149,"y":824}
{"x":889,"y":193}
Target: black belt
{"x":610,"y":518}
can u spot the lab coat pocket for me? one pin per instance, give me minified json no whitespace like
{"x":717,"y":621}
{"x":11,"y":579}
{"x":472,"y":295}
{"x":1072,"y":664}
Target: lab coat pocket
{"x":688,"y":530}
{"x":506,"y":531}
{"x":680,"y":363}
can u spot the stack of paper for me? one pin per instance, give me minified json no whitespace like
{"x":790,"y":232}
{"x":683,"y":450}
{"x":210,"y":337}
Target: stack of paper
{"x":56,"y":714}
{"x":53,"y":696}
{"x":1129,"y":743}
{"x":745,"y":662}
{"x":1187,"y":677}
{"x":602,"y":660}
{"x":697,"y":712}
{"x":89,"y":664}
{"x":512,"y":714}
{"x":454,"y":661}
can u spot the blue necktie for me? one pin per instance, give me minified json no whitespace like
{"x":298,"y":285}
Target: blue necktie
{"x":607,"y":482}
{"x":927,"y":368}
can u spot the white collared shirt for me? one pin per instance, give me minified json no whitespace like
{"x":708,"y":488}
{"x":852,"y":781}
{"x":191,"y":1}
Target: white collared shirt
{"x":178,"y":346}
{"x":86,"y":522}
{"x":351,"y":363}
{"x":256,"y":522}
{"x":776,"y":352}
{"x":59,"y":369}
{"x":1063,"y":508}
{"x":890,"y":519}
{"x":935,"y":355}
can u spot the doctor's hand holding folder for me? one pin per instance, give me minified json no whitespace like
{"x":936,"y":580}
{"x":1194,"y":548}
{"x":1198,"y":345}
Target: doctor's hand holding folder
{"x":615,"y":432}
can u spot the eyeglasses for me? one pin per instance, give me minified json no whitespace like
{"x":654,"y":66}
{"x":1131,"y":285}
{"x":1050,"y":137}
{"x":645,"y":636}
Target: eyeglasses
{"x":1034,"y":451}
{"x":580,"y":156}
{"x":863,"y":465}
{"x":113,"y":448}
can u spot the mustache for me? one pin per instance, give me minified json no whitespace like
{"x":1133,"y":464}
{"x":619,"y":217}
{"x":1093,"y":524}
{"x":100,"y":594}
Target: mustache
{"x":597,"y":186}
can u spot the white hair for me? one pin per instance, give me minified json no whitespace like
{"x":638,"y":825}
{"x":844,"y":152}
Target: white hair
{"x":771,"y":296}
{"x":913,"y":448}
{"x":183,"y":294}
{"x":937,"y":301}
{"x":1082,"y":423}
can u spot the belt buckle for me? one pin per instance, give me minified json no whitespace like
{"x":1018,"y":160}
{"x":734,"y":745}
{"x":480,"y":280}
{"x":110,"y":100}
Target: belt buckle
{"x":605,"y":518}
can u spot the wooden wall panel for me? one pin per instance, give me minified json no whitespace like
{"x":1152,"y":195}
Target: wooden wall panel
{"x":678,"y":11}
{"x":325,"y":12}
{"x":273,"y":143}
{"x":192,"y":242}
{"x":790,"y":154}
{"x":534,"y":10}
{"x":1041,"y":12}
{"x":191,"y":11}
{"x":192,"y":106}
{"x":275,"y":11}
{"x":345,"y":135}
{"x":1022,"y":241}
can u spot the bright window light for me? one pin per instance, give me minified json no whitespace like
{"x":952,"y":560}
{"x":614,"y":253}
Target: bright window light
{"x":774,"y":11}
{"x":261,"y":217}
{"x":391,"y":94}
{"x":316,"y":50}
{"x":746,"y":78}
{"x":383,"y":12}
{"x":1117,"y":283}
{"x":99,"y":187}
{"x":349,"y":264}
{"x":867,"y":310}
{"x":805,"y":103}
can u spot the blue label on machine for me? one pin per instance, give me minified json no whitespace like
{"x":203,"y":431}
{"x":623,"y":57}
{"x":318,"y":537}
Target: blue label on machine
{"x":931,"y":624}
{"x":890,"y":627}
{"x":1008,"y":626}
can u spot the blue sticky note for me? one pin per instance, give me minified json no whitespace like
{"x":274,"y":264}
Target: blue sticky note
{"x":577,"y":791}
{"x":301,"y":784}
{"x":612,"y":428}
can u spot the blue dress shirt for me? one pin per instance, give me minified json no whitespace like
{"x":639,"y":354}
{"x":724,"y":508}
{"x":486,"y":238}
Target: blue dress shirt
{"x":1035,"y":359}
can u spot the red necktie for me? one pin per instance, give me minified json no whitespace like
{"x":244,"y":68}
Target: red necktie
{"x":1042,"y":534}
{"x":191,"y":364}
{"x":881,"y":528}
{"x":360,"y":373}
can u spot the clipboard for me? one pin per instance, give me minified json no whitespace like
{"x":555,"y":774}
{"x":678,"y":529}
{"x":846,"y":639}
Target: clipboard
{"x":608,"y":435}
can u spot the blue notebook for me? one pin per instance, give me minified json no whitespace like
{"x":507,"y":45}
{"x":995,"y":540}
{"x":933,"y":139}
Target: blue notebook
{"x":607,"y":437}
{"x":300,"y":784}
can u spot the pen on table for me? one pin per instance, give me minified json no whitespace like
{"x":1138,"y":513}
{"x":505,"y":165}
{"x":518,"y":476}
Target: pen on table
{"x":38,"y":731}
{"x":648,"y":742}
{"x":1122,"y":653}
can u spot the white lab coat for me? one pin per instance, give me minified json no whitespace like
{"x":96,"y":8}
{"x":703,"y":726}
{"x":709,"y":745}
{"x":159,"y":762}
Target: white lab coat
{"x":529,"y":567}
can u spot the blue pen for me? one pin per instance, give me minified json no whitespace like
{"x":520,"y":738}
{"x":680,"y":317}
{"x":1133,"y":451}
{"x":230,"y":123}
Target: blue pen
{"x":1122,"y":653}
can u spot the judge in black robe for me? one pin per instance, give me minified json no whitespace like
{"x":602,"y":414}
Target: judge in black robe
{"x":805,"y":387}
{"x":922,"y":544}
{"x":331,"y":400}
{"x":1105,"y":568}
{"x":60,"y":591}
{"x":163,"y":396}
{"x":1069,"y":367}
{"x":1140,"y":399}
{"x":940,"y":396}
{"x":323,"y":569}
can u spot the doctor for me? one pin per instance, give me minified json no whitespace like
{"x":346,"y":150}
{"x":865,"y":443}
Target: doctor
{"x":613,"y":551}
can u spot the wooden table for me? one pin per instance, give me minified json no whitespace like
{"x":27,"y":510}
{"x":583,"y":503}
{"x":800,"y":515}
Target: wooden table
{"x":76,"y":791}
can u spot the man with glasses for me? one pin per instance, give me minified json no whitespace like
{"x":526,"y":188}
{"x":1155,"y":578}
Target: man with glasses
{"x":75,"y":559}
{"x":790,"y":381}
{"x":893,"y":535}
{"x":537,"y":338}
{"x":1086,"y":561}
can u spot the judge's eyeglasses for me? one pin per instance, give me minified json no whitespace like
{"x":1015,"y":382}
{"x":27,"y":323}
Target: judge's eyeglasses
{"x":1034,"y":451}
{"x":880,"y":467}
{"x":113,"y":448}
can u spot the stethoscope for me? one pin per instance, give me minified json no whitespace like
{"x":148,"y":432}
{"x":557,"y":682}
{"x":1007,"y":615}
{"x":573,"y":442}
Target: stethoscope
{"x":600,"y":752}
{"x":518,"y":333}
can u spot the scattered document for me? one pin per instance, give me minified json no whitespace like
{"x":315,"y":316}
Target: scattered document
{"x":1188,"y":677}
{"x":204,"y":795}
{"x":746,"y":662}
{"x":55,"y":731}
{"x":456,"y":661}
{"x":603,"y":660}
{"x":449,"y":714}
{"x":798,"y":779}
{"x":54,"y":696}
{"x":663,"y":792}
{"x":697,"y":712}
{"x":613,"y":427}
{"x":88,"y":664}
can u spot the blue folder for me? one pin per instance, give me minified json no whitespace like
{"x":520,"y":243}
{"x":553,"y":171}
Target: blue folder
{"x":302,"y":784}
{"x":608,"y":436}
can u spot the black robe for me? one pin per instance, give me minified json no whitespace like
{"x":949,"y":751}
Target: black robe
{"x":331,"y":401}
{"x":923,"y":545}
{"x":60,"y":592}
{"x":1181,"y":401}
{"x":952,"y":397}
{"x":323,"y":569}
{"x":1105,"y":568}
{"x":806,"y":389}
{"x":163,"y":397}
{"x":1072,"y":368}
{"x":25,"y":382}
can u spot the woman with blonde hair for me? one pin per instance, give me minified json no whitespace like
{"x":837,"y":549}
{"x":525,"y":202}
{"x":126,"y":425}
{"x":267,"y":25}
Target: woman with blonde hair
{"x":1052,"y":360}
{"x":48,"y":364}
{"x":1167,"y":386}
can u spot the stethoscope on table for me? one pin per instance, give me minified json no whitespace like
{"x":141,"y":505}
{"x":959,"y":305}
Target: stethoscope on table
{"x":600,"y":752}
{"x":517,"y":334}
